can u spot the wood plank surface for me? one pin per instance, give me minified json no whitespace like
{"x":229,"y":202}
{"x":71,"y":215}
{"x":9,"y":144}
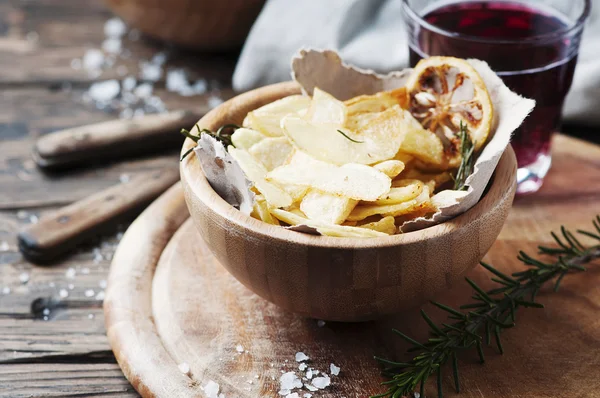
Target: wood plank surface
{"x":68,"y":354}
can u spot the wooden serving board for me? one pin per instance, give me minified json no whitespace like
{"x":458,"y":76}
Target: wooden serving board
{"x":169,"y":303}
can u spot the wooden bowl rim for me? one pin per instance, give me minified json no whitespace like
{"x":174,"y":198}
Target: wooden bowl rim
{"x":202,"y":191}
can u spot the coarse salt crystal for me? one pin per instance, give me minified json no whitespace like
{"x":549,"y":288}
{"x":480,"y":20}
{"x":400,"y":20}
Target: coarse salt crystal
{"x":71,"y":286}
{"x":126,"y":113}
{"x":24,"y":277}
{"x":292,"y":395}
{"x":6,"y":290}
{"x":283,"y":392}
{"x":143,"y":90}
{"x":214,"y":101}
{"x":89,"y":293}
{"x":320,"y":323}
{"x":124,"y":178}
{"x":289,"y":381}
{"x":185,"y":368}
{"x":93,"y":59}
{"x":33,"y":219}
{"x":138,"y":113}
{"x":90,"y":316}
{"x":70,"y":274}
{"x":114,"y":27}
{"x":104,"y":91}
{"x":200,"y":87}
{"x":63,"y":293}
{"x":302,"y":366}
{"x":151,"y":72}
{"x":239,"y":348}
{"x":85,"y":271}
{"x":100,"y":295}
{"x":311,"y":388}
{"x":112,"y":45}
{"x":102,"y":284}
{"x":416,"y":395}
{"x":22,"y":214}
{"x":309,"y":374}
{"x":307,"y":395}
{"x":211,"y":389}
{"x":129,"y":83}
{"x":46,"y":311}
{"x":321,"y":382}
{"x":159,"y":58}
{"x":334,"y":370}
{"x":300,"y":356}
{"x":4,"y":246}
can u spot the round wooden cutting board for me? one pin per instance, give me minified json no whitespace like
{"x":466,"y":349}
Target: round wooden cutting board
{"x":170,"y":306}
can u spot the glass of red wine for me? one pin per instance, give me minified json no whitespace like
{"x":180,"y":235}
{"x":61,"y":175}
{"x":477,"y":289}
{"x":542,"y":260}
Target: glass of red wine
{"x":532,"y":45}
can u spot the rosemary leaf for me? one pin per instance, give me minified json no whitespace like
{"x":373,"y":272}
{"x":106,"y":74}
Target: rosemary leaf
{"x":350,"y":139}
{"x":467,"y":150}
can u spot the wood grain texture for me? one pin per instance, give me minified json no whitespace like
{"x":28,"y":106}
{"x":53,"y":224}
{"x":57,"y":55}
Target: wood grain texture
{"x":111,"y":140}
{"x":201,"y":313}
{"x":197,"y":24}
{"x":340,"y":279}
{"x":61,"y":231}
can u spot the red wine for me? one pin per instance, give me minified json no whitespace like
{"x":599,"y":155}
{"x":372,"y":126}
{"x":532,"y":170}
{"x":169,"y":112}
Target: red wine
{"x":498,"y":32}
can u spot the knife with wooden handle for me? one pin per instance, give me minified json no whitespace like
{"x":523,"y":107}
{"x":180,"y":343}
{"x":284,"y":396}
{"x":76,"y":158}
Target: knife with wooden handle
{"x":112,"y":139}
{"x":62,"y":230}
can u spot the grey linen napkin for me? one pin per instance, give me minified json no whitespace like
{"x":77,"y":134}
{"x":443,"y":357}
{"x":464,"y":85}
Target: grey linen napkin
{"x":371,"y":34}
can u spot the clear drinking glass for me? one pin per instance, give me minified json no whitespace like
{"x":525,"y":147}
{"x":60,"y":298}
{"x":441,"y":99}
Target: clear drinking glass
{"x":533,"y":47}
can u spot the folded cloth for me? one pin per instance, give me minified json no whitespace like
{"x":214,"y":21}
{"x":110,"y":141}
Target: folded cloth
{"x":371,"y":34}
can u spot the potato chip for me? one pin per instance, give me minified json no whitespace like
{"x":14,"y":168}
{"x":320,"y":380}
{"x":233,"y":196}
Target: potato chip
{"x":421,"y":143}
{"x":325,"y":109}
{"x":325,"y":207}
{"x":244,"y":138}
{"x":256,"y":173}
{"x":325,"y":229}
{"x":370,"y":103}
{"x":363,"y":211}
{"x":261,"y":211}
{"x":267,"y":119}
{"x":378,"y":141}
{"x":404,"y":158}
{"x":390,"y":168}
{"x":271,"y":152}
{"x":354,"y":181}
{"x":439,"y":178}
{"x":387,"y":225}
{"x":401,"y":194}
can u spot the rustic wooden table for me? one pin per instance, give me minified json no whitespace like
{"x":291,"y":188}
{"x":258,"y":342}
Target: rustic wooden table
{"x":52,"y":345}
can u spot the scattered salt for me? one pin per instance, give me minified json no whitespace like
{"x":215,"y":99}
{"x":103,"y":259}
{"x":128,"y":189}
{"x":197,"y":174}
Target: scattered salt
{"x":70,"y":274}
{"x":292,"y":395}
{"x":6,"y":290}
{"x":200,"y":87}
{"x":126,"y":113}
{"x":46,"y":311}
{"x":159,"y":58}
{"x":143,"y":90}
{"x":307,"y":395}
{"x":112,"y":46}
{"x":311,"y":388}
{"x":211,"y":389}
{"x":214,"y":101}
{"x":93,"y":59}
{"x":185,"y":369}
{"x":335,"y":370}
{"x":4,"y":246}
{"x":85,"y":270}
{"x":51,"y":284}
{"x":289,"y":381}
{"x":24,"y":277}
{"x":104,"y":91}
{"x":45,"y":318}
{"x":90,"y":316}
{"x":239,"y":348}
{"x":100,"y":295}
{"x":22,"y":214}
{"x":256,"y":377}
{"x":416,"y":395}
{"x":124,"y":178}
{"x":321,"y":382}
{"x":300,"y":356}
{"x":320,"y":323}
{"x":309,"y":374}
{"x":151,"y":72}
{"x":102,"y":284}
{"x":129,"y":83}
{"x":114,"y":27}
{"x":71,"y":286}
{"x":250,"y":381}
{"x":302,"y":366}
{"x":33,"y":219}
{"x":63,"y":293}
{"x":89,"y":293}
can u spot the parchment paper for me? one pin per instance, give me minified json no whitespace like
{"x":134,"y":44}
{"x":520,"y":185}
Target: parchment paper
{"x":325,"y":69}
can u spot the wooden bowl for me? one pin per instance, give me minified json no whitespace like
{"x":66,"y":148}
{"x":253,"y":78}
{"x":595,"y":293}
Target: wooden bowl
{"x":340,"y":279}
{"x":196,"y":24}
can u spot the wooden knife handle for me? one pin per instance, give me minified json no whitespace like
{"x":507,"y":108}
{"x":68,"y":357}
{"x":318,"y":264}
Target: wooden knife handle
{"x":112,"y":139}
{"x":62,"y":230}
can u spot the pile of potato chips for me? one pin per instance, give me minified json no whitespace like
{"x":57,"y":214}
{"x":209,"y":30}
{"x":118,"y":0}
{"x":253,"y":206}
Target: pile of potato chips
{"x":362,"y":167}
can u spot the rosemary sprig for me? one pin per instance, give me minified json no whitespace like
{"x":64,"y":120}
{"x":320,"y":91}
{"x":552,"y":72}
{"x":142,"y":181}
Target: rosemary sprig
{"x":353,"y":140}
{"x":492,"y":311}
{"x":222,"y":134}
{"x":467,"y":149}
